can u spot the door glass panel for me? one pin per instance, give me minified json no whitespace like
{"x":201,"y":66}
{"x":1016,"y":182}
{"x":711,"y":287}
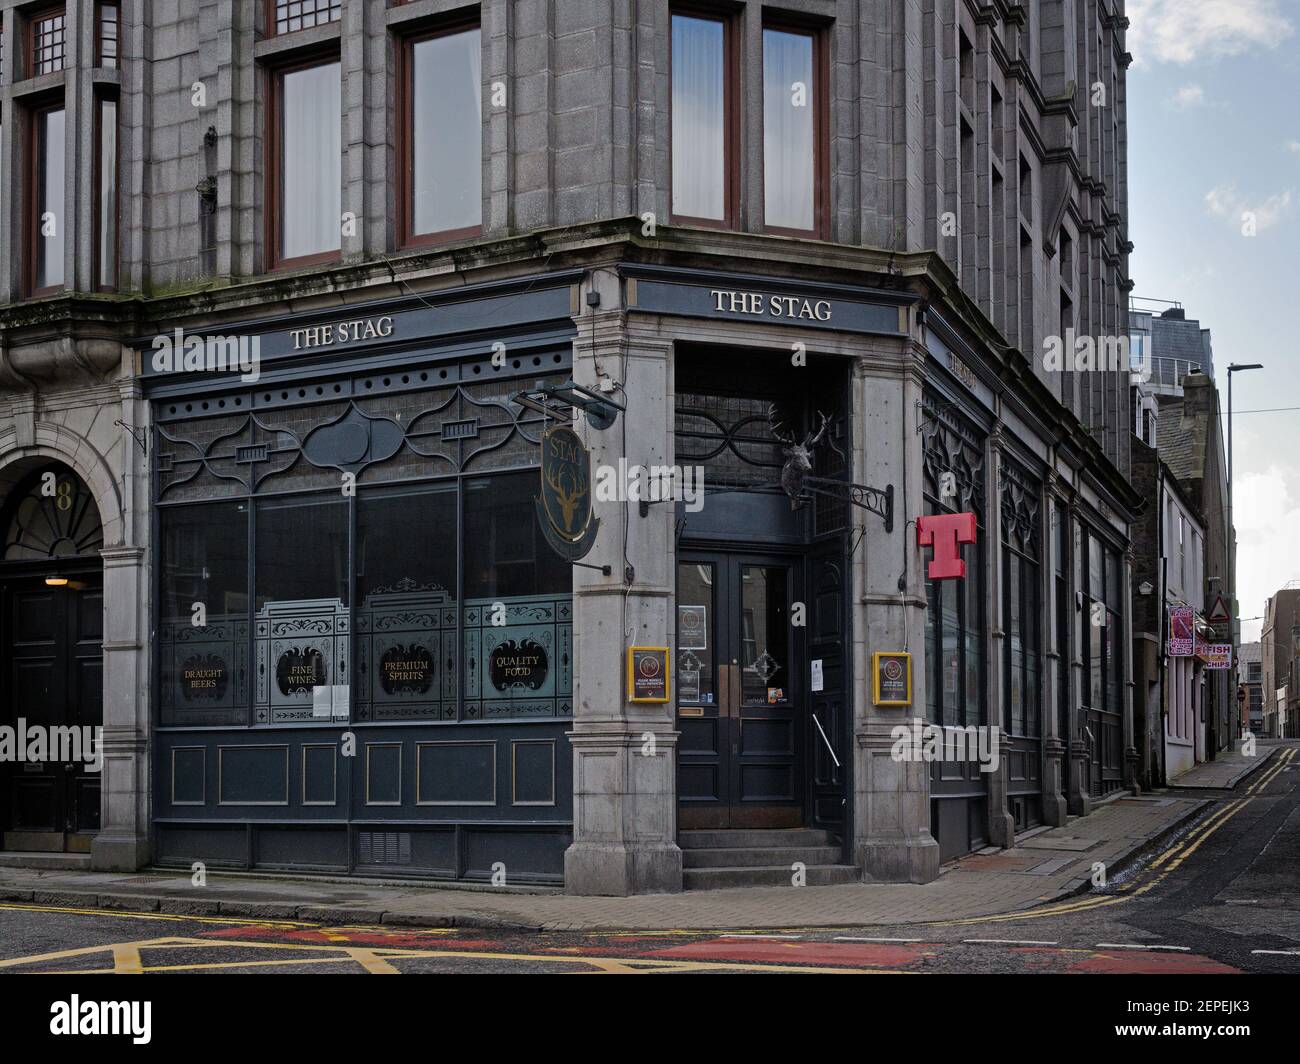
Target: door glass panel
{"x":696,"y":647}
{"x":764,"y":636}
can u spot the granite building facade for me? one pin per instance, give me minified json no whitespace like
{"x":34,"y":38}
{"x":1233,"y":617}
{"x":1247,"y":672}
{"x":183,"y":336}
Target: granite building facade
{"x":272,"y":276}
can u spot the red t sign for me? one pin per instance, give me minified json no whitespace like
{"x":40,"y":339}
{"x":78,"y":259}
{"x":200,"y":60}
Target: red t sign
{"x":945,"y":533}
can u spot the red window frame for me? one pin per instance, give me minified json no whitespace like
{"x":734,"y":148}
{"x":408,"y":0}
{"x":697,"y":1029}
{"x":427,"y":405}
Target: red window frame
{"x":731,"y":105}
{"x":821,"y":130}
{"x":406,"y":139}
{"x":273,"y":198}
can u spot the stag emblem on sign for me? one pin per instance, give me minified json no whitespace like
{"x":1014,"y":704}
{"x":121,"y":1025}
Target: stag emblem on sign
{"x":798,"y":455}
{"x":564,"y":504}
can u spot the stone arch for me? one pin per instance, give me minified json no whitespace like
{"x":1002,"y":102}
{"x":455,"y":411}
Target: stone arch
{"x":78,"y":454}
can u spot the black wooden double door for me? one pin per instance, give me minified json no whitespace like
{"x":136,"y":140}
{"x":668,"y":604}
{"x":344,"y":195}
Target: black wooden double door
{"x":53,"y":679}
{"x":740,"y":697}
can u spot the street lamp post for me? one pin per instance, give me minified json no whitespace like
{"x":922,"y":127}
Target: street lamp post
{"x":1235,"y":367}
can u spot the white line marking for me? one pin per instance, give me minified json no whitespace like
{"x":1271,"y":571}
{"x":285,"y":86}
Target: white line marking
{"x":748,"y":935}
{"x":1129,"y":945}
{"x":848,"y":938}
{"x":1277,"y":952}
{"x":1011,"y":941}
{"x":1240,"y":901}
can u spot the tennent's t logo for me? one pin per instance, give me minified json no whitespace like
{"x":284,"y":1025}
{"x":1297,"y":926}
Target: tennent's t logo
{"x":945,"y":533}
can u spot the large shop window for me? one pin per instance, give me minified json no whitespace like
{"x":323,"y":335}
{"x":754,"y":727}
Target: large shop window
{"x":442,"y":137}
{"x":1021,"y":599}
{"x":305,"y":195}
{"x":702,"y":123}
{"x":954,"y":637}
{"x":415,"y":598}
{"x":46,"y":219}
{"x":793,"y":120}
{"x":1104,"y":662}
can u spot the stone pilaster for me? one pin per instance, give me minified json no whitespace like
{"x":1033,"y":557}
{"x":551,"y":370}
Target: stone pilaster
{"x":891,"y":798}
{"x":1002,"y":825}
{"x":624,"y":755}
{"x":1055,"y":744}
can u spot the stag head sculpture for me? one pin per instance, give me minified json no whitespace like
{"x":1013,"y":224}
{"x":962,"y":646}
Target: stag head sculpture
{"x":798,"y":455}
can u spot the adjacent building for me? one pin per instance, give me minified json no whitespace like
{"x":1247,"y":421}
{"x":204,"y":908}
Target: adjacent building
{"x":276,"y":383}
{"x":1279,"y":645}
{"x":1250,"y":688}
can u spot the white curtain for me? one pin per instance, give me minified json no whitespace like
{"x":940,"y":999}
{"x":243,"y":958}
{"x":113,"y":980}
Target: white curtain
{"x":699,"y":118}
{"x":447,"y":141}
{"x":789,"y":111}
{"x":311,"y":162}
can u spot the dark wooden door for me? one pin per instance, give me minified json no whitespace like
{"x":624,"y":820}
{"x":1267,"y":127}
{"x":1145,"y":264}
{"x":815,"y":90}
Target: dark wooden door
{"x":53,"y":667}
{"x":740,"y":697}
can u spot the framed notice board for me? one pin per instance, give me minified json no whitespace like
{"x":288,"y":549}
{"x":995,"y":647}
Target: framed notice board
{"x":647,"y":674}
{"x":891,"y":678}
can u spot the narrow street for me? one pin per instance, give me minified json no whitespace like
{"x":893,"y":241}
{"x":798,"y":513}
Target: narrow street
{"x":1221,"y":897}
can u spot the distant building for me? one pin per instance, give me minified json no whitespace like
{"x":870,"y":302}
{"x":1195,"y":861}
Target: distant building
{"x":1250,"y":687}
{"x":1173,"y":344}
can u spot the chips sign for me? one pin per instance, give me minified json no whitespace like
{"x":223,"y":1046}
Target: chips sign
{"x":647,"y":674}
{"x":564,"y":504}
{"x":1182,"y":632}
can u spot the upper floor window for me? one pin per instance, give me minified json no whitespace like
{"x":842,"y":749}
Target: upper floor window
{"x":306,"y":172}
{"x":290,"y":15}
{"x":45,"y":218}
{"x":794,"y":131}
{"x":703,"y":175}
{"x":108,"y":36}
{"x":106,"y":199}
{"x":442,"y":136}
{"x":48,"y":41}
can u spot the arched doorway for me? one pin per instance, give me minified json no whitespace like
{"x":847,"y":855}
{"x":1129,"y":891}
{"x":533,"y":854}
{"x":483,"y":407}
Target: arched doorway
{"x":51,"y":667}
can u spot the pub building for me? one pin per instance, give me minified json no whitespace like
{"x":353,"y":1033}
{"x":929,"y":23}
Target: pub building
{"x":367,"y":611}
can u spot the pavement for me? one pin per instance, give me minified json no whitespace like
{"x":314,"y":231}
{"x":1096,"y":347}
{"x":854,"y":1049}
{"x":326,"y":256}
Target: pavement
{"x":1044,"y":866}
{"x":1228,"y":769}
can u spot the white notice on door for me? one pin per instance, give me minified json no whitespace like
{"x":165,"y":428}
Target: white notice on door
{"x":816,"y":674}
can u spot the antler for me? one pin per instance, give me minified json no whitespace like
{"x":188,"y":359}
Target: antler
{"x":772,"y":424}
{"x":814,"y":440}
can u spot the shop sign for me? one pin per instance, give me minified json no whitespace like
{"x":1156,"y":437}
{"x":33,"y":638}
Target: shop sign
{"x":299,"y":670}
{"x":404,"y":671}
{"x":891,"y":678}
{"x":203,"y":676}
{"x":946,"y":533}
{"x":647,"y":674}
{"x":1182,"y":631}
{"x":518,"y":664}
{"x":564,"y":504}
{"x":1215,"y":655}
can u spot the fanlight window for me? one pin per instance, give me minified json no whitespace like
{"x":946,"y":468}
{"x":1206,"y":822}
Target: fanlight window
{"x":54,"y":517}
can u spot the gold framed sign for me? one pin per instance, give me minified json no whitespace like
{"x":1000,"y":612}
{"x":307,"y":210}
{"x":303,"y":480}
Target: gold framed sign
{"x":891,"y":678}
{"x":647,"y":674}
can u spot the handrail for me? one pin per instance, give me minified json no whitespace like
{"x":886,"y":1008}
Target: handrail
{"x":829,"y":748}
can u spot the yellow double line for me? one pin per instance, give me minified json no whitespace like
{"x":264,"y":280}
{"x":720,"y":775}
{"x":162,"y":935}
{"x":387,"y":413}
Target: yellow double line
{"x":1175,"y":855}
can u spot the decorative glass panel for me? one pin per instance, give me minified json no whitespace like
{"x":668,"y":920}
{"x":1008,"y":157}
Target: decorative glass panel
{"x":764,"y":636}
{"x":696,"y":646}
{"x":54,"y":517}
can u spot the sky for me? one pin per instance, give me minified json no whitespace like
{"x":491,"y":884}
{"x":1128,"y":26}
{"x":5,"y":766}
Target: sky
{"x":1214,"y":214}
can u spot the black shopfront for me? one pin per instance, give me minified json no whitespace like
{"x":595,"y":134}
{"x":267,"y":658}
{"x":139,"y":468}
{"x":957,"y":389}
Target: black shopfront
{"x":364,"y":654}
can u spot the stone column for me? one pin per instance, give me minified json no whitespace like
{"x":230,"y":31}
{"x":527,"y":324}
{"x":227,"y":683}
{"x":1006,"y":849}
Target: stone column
{"x":123,"y":839}
{"x":1002,"y":825}
{"x":624,"y":755}
{"x":1079,"y":799}
{"x":1055,"y":745}
{"x":891,"y":798}
{"x":1131,"y":699}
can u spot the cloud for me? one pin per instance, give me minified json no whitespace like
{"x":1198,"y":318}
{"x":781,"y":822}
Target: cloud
{"x":1226,"y":202}
{"x":1187,"y":97}
{"x":1266,"y":515}
{"x":1293,"y":146}
{"x":1183,"y":31}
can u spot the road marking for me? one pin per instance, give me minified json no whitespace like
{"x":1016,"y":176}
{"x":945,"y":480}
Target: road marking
{"x":857,"y":938}
{"x":1011,"y":941}
{"x":1130,"y":945}
{"x":1277,"y":952}
{"x":128,"y":914}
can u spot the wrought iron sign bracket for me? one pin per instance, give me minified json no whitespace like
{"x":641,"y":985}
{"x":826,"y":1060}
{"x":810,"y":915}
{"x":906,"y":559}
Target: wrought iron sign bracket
{"x":556,"y":402}
{"x":141,"y":441}
{"x":879,"y":501}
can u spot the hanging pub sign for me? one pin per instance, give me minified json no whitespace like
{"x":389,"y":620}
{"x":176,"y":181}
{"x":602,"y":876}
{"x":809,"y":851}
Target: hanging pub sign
{"x":647,"y":674}
{"x":564,"y":505}
{"x":891,"y":678}
{"x":1182,"y":632}
{"x":945,"y":533}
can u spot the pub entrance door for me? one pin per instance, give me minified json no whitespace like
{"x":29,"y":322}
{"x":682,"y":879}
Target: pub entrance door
{"x":51,"y":642}
{"x":741,"y":707}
